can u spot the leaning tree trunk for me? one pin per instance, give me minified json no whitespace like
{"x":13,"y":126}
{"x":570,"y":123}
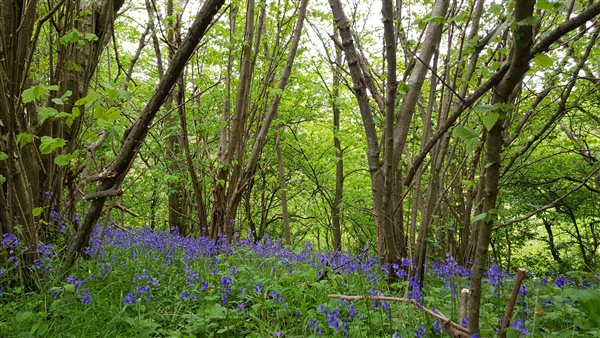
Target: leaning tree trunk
{"x":111,"y":178}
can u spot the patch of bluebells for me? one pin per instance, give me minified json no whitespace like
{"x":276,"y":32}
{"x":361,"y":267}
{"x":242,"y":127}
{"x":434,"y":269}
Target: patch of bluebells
{"x":519,"y":326}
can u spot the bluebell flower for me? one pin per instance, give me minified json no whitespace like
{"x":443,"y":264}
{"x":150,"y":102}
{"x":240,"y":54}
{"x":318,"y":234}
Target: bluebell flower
{"x":415,"y":289}
{"x":184,"y":296}
{"x":87,"y":297}
{"x":519,"y":326}
{"x":437,"y":328}
{"x":258,"y":289}
{"x":420,"y":332}
{"x":129,"y":298}
{"x":203,"y":286}
{"x":312,"y":324}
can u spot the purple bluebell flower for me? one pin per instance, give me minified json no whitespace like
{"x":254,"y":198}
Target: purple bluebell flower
{"x":87,"y":297}
{"x":203,"y":286}
{"x":312,"y":324}
{"x":258,"y":289}
{"x":437,"y":328}
{"x":308,"y":245}
{"x":129,"y":298}
{"x":519,"y":326}
{"x":277,"y":334}
{"x":415,"y":289}
{"x":184,"y":296}
{"x":420,"y":332}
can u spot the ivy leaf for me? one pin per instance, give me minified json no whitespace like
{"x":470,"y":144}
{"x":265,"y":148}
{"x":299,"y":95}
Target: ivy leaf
{"x":543,"y":61}
{"x":3,"y":156}
{"x":49,"y":144}
{"x":490,"y":119}
{"x":2,"y":179}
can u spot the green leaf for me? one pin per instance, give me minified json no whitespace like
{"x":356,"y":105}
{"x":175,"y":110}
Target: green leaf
{"x":546,"y":5}
{"x":490,"y":119}
{"x":69,"y":288}
{"x":472,"y":144}
{"x":62,"y":160}
{"x":3,"y":156}
{"x":403,"y":88}
{"x":2,"y":179}
{"x":464,"y":133}
{"x":23,"y":139}
{"x":543,"y":61}
{"x":37,"y":211}
{"x":483,"y":108}
{"x":172,"y":179}
{"x":529,"y":21}
{"x":46,"y":112}
{"x":479,"y":217}
{"x":49,"y":144}
{"x":71,"y":36}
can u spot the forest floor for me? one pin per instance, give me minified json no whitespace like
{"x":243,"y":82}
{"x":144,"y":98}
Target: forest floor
{"x":158,"y":284}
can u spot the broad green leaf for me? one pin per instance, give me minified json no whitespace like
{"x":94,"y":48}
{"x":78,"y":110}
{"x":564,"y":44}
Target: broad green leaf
{"x":464,"y":133}
{"x":3,"y":156}
{"x":71,"y":36}
{"x":62,"y":160}
{"x":479,"y":217}
{"x":483,"y":108}
{"x":45,"y":113}
{"x":2,"y":179}
{"x":61,"y":100}
{"x":472,"y":144}
{"x":23,"y":139}
{"x":172,"y":179}
{"x":403,"y":88}
{"x":37,"y":211}
{"x":49,"y":144}
{"x":543,"y":61}
{"x":546,"y":5}
{"x":490,"y":119}
{"x":34,"y":93}
{"x":529,"y":21}
{"x":69,"y":288}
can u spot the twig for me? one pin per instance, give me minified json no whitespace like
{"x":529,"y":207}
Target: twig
{"x":449,"y":326}
{"x":511,"y":303}
{"x":122,"y":208}
{"x":464,"y":298}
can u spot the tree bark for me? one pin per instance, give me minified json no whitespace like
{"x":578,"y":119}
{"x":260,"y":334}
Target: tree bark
{"x":519,"y":64}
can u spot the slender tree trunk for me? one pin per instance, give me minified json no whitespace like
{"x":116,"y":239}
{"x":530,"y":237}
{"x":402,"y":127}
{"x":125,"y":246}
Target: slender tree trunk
{"x":519,"y":64}
{"x":339,"y":167}
{"x":283,"y":186}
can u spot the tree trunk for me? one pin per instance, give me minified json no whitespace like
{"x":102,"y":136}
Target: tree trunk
{"x":519,"y":64}
{"x":112,"y":177}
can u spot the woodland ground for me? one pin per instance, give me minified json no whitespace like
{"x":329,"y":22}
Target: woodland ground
{"x":147,"y":283}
